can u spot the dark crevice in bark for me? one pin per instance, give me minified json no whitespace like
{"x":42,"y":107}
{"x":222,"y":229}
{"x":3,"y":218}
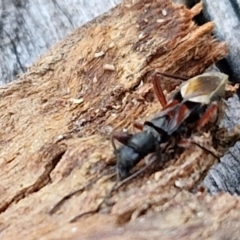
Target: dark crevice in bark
{"x":41,"y":182}
{"x":235,"y":8}
{"x":14,"y":48}
{"x":64,"y":13}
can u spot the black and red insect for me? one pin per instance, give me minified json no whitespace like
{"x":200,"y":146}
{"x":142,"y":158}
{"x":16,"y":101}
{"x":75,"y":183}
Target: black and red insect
{"x":196,"y":103}
{"x":191,"y":108}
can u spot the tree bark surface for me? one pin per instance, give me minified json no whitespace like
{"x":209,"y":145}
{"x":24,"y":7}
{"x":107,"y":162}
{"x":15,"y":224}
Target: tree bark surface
{"x":30,"y":28}
{"x":225,"y":14}
{"x":57,"y":118}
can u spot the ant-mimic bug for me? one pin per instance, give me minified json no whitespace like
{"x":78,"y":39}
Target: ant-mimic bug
{"x":196,"y":103}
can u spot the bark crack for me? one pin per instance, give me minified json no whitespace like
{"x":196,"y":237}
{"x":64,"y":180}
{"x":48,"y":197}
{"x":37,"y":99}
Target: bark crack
{"x":56,"y":154}
{"x":14,"y":48}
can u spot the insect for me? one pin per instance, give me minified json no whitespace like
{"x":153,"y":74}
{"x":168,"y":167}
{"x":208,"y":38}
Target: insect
{"x":194,"y":105}
{"x":190,"y":109}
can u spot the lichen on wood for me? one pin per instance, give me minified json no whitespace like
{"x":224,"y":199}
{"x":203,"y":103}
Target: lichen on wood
{"x":57,"y":118}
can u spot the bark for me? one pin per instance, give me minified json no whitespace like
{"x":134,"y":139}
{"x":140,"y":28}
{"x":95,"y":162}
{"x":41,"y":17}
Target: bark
{"x":225,"y":14}
{"x":57,"y":118}
{"x":30,"y":28}
{"x":185,"y":217}
{"x":224,"y":176}
{"x":21,"y":46}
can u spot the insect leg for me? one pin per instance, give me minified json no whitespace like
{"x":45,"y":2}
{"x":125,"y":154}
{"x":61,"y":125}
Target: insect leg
{"x":97,"y":209}
{"x":152,"y":160}
{"x":207,"y":150}
{"x":185,"y":143}
{"x":122,"y":137}
{"x":138,"y":125}
{"x":210,"y":113}
{"x":158,"y":90}
{"x":115,"y":187}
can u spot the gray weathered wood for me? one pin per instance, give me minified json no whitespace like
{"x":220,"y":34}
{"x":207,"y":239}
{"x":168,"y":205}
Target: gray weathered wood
{"x":225,"y":176}
{"x":29,"y":28}
{"x":226,"y":15}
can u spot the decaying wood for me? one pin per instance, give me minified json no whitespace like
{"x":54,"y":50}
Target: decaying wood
{"x":25,"y":33}
{"x":186,"y":216}
{"x":57,"y":118}
{"x":224,"y":176}
{"x":225,"y":14}
{"x":30,"y":28}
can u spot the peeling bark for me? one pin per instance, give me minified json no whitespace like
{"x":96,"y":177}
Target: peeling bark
{"x":30,"y":28}
{"x":57,"y":118}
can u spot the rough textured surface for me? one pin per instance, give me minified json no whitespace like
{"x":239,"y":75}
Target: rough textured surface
{"x":225,"y":176}
{"x":185,"y":217}
{"x":30,"y":28}
{"x":57,"y":118}
{"x":225,"y":14}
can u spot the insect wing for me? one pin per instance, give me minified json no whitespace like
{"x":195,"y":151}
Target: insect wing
{"x":172,"y":117}
{"x":204,"y":88}
{"x":168,"y":109}
{"x":181,"y":113}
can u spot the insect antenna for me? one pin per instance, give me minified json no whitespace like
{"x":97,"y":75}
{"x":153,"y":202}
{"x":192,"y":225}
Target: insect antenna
{"x":80,"y":190}
{"x":113,"y":143}
{"x":207,"y":150}
{"x":115,"y":187}
{"x":97,"y":209}
{"x":165,"y":74}
{"x":137,"y":173}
